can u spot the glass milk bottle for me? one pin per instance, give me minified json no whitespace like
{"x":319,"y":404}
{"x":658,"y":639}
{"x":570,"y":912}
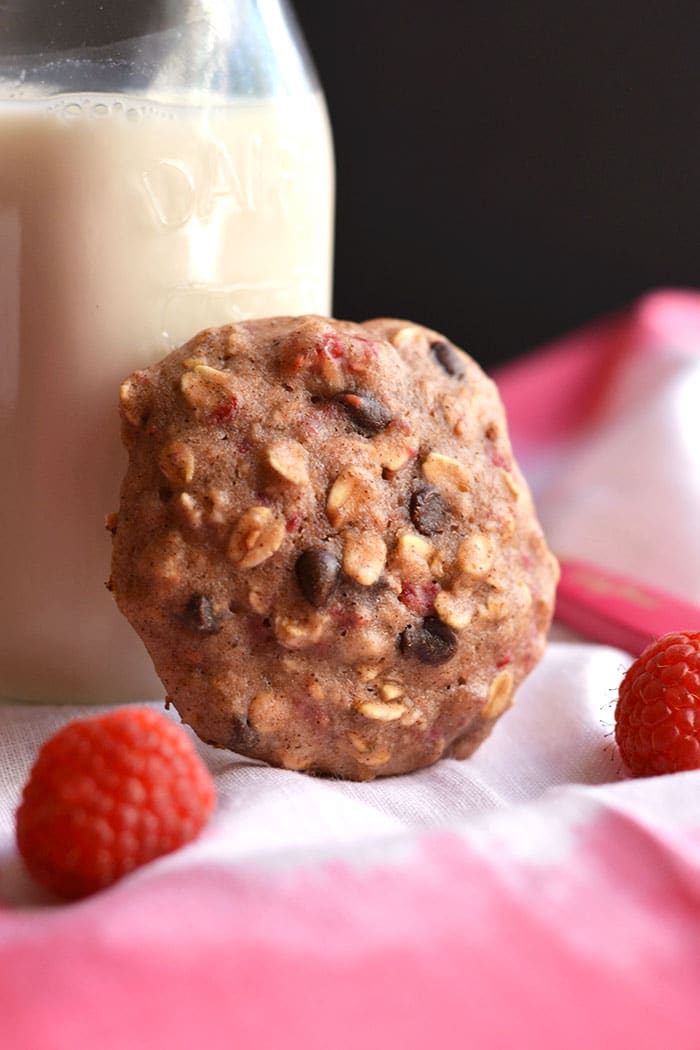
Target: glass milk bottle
{"x":164,"y":167}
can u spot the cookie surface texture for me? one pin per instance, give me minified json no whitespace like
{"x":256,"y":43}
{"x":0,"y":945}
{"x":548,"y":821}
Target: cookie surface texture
{"x":326,"y":545}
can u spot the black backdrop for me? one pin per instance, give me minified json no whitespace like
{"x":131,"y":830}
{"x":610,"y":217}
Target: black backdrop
{"x":507,"y":171}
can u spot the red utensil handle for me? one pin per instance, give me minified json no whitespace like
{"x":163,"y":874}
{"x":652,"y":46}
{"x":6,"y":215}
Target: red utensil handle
{"x":616,"y":610}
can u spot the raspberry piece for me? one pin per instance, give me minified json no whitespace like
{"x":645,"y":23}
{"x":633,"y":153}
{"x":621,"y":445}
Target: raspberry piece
{"x":657,"y":717}
{"x":418,"y":597}
{"x":107,"y":794}
{"x":225,"y":412}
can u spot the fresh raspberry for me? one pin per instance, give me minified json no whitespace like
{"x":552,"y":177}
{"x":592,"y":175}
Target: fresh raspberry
{"x":657,"y":717}
{"x":107,"y":794}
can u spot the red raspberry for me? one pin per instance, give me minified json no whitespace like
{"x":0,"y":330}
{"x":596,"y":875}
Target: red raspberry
{"x":657,"y":717}
{"x":107,"y":794}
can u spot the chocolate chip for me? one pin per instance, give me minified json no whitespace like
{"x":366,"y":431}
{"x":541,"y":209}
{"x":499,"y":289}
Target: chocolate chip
{"x":431,"y":642}
{"x":449,"y":358}
{"x":317,"y":573}
{"x":242,"y":737}
{"x":367,"y":412}
{"x":199,"y":615}
{"x":427,"y":510}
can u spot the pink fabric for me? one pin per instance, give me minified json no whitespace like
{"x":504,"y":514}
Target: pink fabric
{"x":552,"y":393}
{"x":458,"y":949}
{"x":531,"y":897}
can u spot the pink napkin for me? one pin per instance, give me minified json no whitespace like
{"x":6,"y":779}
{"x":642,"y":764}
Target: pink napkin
{"x":533,"y":896}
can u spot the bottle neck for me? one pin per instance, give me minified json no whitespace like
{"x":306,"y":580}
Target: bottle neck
{"x":168,"y":49}
{"x":41,"y":26}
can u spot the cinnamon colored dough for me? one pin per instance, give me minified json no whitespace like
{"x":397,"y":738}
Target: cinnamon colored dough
{"x":326,"y":545}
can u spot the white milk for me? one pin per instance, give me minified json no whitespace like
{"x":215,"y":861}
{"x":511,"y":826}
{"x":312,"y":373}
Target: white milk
{"x":125,"y":227}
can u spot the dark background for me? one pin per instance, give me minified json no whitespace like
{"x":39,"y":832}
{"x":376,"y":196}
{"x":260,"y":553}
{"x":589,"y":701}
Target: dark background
{"x":507,"y":171}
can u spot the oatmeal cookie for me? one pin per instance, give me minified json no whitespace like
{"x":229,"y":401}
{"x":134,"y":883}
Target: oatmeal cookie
{"x":326,"y":545}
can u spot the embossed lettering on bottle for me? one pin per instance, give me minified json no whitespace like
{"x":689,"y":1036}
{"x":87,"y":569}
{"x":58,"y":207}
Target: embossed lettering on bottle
{"x":132,"y":225}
